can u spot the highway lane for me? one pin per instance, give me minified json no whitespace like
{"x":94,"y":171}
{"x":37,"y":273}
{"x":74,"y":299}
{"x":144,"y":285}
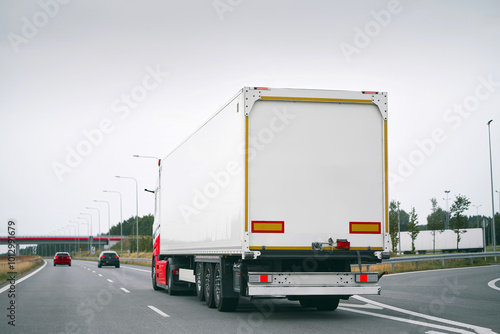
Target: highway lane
{"x":87,"y":299}
{"x":458,"y":294}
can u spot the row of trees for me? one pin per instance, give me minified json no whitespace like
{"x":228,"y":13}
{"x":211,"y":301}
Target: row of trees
{"x":436,"y":221}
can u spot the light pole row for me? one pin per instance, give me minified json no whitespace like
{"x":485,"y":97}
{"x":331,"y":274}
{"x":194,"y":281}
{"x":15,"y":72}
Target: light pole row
{"x":89,"y":223}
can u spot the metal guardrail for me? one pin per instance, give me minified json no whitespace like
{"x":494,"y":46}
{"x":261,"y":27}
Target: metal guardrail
{"x":393,"y":261}
{"x":441,"y":257}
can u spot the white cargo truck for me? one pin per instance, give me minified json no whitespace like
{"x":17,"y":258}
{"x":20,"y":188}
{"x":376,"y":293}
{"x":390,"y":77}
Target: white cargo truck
{"x":276,"y":195}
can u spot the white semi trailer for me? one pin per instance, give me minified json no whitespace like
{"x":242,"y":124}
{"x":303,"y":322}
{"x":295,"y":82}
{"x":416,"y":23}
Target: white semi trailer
{"x":276,"y":195}
{"x":471,"y":240}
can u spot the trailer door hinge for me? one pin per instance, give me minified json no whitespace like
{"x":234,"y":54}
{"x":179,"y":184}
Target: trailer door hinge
{"x":250,"y":94}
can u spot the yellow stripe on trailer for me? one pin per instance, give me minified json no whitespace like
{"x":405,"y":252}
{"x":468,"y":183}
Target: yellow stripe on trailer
{"x":313,"y":99}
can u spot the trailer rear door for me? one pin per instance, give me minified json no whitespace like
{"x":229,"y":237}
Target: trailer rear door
{"x":316,"y":170}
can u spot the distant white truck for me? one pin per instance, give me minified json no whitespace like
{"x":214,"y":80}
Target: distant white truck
{"x":263,"y":200}
{"x":446,"y":241}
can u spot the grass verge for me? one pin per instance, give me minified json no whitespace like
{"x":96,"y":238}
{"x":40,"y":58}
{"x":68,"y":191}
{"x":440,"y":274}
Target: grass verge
{"x":21,"y":265}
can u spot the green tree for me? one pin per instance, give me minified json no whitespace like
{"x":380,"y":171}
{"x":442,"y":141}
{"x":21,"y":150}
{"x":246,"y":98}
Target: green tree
{"x":413,"y":228}
{"x":129,"y":225}
{"x":458,"y":222}
{"x":435,"y":221}
{"x":393,"y":224}
{"x":404,"y":219}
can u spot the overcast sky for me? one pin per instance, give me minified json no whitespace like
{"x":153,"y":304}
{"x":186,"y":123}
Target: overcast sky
{"x":85,"y":85}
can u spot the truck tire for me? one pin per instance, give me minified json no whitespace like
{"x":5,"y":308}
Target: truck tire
{"x":307,"y":302}
{"x":170,"y":282}
{"x":327,"y":303}
{"x":222,"y":303}
{"x":200,"y":282}
{"x":153,"y":275}
{"x":209,"y":285}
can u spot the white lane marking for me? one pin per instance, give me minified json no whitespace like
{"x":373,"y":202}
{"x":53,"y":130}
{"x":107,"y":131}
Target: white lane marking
{"x":99,"y":275}
{"x":125,"y":290}
{"x":492,"y":285}
{"x":93,"y":271}
{"x":109,"y":280}
{"x":434,"y":332}
{"x":477,"y":329}
{"x":88,"y":268}
{"x":368,"y":306}
{"x":409,"y":321}
{"x":159,"y":312}
{"x":146,"y":271}
{"x":7,"y":287}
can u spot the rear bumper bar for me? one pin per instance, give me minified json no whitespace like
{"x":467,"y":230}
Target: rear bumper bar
{"x":306,"y":284}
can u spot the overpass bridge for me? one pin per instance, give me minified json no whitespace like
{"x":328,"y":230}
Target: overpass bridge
{"x":49,"y":245}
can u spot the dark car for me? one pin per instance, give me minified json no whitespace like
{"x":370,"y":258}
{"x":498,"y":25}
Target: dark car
{"x":62,"y":258}
{"x":108,"y":258}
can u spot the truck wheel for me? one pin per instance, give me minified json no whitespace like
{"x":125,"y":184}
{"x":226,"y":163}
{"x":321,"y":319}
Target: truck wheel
{"x":153,"y":275}
{"x":222,"y":304}
{"x":209,"y":285}
{"x":170,"y":282}
{"x":327,"y":303}
{"x":307,"y":302}
{"x":200,"y":282}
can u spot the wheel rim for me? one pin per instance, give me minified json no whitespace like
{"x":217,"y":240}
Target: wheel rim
{"x":217,"y":285}
{"x":198,"y":278}
{"x":207,"y":282}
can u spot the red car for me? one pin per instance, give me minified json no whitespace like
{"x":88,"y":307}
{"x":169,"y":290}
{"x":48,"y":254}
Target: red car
{"x":62,"y":258}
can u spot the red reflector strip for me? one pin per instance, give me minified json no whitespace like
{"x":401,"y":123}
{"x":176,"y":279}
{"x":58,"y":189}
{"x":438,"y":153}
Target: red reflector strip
{"x":175,"y":272}
{"x":363,"y":278}
{"x":264,"y":278}
{"x":365,"y":228}
{"x":264,"y":226}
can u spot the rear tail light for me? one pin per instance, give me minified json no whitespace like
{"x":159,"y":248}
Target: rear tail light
{"x":367,"y":278}
{"x":102,"y":257}
{"x":260,"y":278}
{"x":117,"y":257}
{"x":343,"y":244}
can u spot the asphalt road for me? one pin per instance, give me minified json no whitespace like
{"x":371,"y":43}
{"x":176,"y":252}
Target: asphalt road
{"x":86,"y":299}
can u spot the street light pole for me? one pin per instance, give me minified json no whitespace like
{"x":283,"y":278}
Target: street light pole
{"x":78,"y":237}
{"x":121,"y":219}
{"x":136,"y":209}
{"x":98,"y":225}
{"x":88,"y":234}
{"x":477,"y":213}
{"x":90,"y":224}
{"x":492,"y":193}
{"x":69,"y":234}
{"x":447,"y":213}
{"x":399,"y":231}
{"x":109,"y":221}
